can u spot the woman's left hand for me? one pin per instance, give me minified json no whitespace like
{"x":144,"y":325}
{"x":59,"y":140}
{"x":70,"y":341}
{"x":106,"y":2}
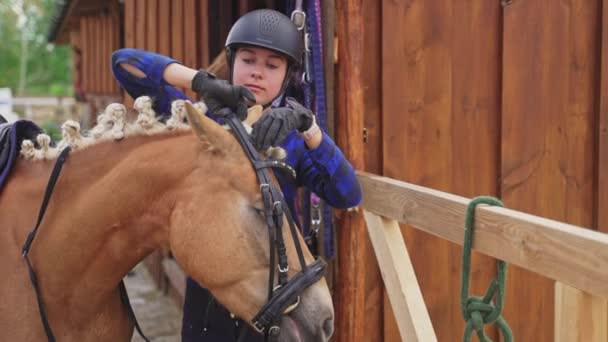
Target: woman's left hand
{"x":274,"y":126}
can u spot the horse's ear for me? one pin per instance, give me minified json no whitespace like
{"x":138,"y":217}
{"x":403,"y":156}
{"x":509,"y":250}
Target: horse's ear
{"x":207,"y":130}
{"x":253,"y":114}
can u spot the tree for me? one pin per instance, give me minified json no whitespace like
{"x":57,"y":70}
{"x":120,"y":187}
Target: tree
{"x":28,"y":63}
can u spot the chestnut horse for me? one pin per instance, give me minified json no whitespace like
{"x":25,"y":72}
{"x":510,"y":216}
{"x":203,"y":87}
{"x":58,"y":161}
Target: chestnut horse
{"x":119,"y":199}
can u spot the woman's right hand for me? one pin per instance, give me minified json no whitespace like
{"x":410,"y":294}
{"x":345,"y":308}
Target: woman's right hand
{"x":221,"y":97}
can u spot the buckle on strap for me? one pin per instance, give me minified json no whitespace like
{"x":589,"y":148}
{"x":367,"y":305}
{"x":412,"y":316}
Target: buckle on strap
{"x":287,"y":294}
{"x":299,"y":19}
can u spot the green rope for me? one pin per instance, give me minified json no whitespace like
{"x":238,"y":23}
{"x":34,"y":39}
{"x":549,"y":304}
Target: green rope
{"x":480,"y":311}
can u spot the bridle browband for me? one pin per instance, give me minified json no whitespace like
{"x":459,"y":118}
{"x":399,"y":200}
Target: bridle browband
{"x":282,"y":299}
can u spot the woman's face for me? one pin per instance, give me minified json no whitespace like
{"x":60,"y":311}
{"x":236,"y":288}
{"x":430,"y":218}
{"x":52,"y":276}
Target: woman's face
{"x":261,"y":70}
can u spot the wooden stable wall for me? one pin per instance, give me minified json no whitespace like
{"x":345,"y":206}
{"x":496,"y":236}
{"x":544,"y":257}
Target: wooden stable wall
{"x":474,"y":98}
{"x":191,"y":31}
{"x":98,"y":36}
{"x":176,"y":28}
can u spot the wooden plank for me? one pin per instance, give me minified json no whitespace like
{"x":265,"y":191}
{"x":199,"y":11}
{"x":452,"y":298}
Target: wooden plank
{"x":571,"y":305}
{"x":374,"y":289}
{"x":475,"y":107}
{"x":140,"y":24}
{"x":164,"y":27}
{"x":549,"y":97}
{"x":129,"y":23}
{"x":115,"y":42}
{"x":578,"y":257}
{"x":602,"y":172}
{"x":129,"y":36}
{"x":440,"y":83}
{"x":107,"y":30}
{"x":400,"y":279}
{"x":191,"y":40}
{"x":152,"y":25}
{"x":203,"y":34}
{"x":580,"y":316}
{"x":85,"y":44}
{"x":177,"y":30}
{"x":244,"y":6}
{"x":416,"y":100}
{"x":94,"y":56}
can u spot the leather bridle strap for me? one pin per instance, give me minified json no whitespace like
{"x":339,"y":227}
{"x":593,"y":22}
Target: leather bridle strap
{"x":124,"y":297}
{"x":30,"y":238}
{"x":286,"y":295}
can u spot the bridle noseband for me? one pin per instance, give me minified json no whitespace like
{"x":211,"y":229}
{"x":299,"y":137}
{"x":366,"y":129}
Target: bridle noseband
{"x":284,"y":298}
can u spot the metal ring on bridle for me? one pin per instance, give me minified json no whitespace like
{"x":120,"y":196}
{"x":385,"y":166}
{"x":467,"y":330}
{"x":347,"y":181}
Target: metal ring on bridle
{"x":292,"y":307}
{"x":299,"y":19}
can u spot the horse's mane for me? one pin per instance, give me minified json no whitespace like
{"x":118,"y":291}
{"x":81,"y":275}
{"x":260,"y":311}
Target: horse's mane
{"x":112,"y":125}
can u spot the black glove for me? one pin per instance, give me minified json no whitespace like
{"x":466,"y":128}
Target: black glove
{"x":273,"y":127}
{"x":221,"y":97}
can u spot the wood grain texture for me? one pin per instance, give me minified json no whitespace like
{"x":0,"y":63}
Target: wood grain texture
{"x":441,"y":126}
{"x":602,"y":128}
{"x":177,"y":30}
{"x":191,"y":40}
{"x":576,"y":256}
{"x":203,"y":33}
{"x":372,"y":150}
{"x":152,"y":17}
{"x":141,"y":9}
{"x":549,"y":68}
{"x":350,"y":285}
{"x":400,"y":279}
{"x":164,"y":27}
{"x":129,"y":23}
{"x":579,"y":316}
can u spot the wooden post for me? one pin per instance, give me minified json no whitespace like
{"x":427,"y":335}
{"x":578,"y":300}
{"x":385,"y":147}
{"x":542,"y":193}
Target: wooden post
{"x":400,"y":279}
{"x":602,"y":142}
{"x":350,"y":284}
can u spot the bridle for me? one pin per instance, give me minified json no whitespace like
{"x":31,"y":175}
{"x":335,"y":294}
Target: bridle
{"x":282,"y":299}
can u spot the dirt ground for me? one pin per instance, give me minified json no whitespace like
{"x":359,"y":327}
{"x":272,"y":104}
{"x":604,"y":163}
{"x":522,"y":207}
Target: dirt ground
{"x":158,"y":315}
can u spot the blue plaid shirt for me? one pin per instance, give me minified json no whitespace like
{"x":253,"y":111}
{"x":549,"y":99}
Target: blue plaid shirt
{"x":323,"y":170}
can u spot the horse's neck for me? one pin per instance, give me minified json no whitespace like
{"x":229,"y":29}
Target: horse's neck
{"x":110,"y":208}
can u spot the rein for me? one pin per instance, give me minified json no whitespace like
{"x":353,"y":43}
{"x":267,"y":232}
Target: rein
{"x":283,"y":298}
{"x":124,"y":297}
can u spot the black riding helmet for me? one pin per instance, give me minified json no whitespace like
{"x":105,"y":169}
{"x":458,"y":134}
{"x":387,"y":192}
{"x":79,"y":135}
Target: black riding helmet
{"x":268,"y":29}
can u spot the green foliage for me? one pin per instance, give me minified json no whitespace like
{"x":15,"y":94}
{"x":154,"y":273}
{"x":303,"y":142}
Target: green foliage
{"x":52,"y":129}
{"x":24,"y":26}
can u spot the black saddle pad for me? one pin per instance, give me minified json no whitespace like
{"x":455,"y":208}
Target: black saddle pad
{"x":11,"y":136}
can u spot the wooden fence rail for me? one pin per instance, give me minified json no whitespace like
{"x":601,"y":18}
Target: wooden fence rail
{"x":569,"y":254}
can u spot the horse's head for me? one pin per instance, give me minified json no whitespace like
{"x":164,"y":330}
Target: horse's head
{"x":219,"y":234}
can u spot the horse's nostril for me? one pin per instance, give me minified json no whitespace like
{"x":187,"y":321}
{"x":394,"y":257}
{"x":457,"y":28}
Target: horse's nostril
{"x":328,"y":328}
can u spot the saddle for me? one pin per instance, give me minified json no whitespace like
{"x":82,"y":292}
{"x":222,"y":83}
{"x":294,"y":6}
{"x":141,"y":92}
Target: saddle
{"x":11,"y":136}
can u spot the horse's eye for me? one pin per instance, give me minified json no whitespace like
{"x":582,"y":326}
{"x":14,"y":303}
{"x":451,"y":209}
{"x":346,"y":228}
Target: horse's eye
{"x":259,"y":211}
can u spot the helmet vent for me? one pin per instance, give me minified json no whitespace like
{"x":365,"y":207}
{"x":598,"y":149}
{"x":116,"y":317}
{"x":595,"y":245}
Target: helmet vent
{"x":269,"y":20}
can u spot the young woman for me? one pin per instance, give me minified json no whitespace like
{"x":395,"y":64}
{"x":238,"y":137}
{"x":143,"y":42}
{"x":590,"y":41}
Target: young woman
{"x":263,"y":51}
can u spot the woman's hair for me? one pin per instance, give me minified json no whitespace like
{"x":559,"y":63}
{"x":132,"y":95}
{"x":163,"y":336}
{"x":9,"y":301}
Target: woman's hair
{"x":219,"y":66}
